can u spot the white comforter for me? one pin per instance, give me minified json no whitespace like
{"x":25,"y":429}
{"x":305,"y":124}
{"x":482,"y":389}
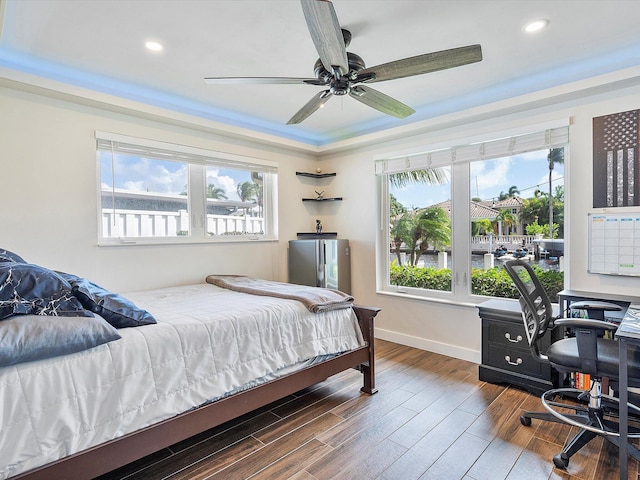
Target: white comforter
{"x":208,"y":342}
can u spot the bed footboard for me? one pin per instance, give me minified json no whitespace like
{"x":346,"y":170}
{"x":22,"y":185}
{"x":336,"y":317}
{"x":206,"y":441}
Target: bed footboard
{"x":365,"y":318}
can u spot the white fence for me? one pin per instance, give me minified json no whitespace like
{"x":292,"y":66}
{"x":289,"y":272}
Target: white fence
{"x":510,"y":241}
{"x":142,"y":223}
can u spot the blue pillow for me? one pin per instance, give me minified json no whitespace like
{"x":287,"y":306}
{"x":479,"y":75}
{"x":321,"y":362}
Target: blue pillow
{"x":24,"y":338}
{"x":7,"y":256}
{"x":31,"y":289}
{"x":114,"y":308}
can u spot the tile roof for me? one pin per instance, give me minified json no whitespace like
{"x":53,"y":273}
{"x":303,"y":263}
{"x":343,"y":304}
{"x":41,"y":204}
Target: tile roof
{"x":477,"y":210}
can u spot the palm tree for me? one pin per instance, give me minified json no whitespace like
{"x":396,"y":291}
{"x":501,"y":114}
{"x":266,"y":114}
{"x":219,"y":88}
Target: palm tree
{"x":434,"y":227}
{"x":417,"y":229}
{"x":395,"y":207}
{"x":513,"y":190}
{"x":246,"y":191}
{"x":216,"y":193}
{"x":431,"y":176}
{"x":556,"y":155}
{"x":505,"y":217}
{"x":480,"y":226}
{"x":402,"y":227}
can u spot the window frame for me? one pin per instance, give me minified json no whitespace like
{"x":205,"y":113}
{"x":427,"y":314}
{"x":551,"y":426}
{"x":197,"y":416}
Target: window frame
{"x":197,"y":160}
{"x":458,"y":154}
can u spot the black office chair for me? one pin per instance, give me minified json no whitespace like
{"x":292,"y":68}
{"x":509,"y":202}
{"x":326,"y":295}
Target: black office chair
{"x":585,"y":351}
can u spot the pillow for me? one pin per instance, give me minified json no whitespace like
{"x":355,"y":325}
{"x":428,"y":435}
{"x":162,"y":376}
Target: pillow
{"x":114,"y":308}
{"x":31,"y":289}
{"x":7,"y":256}
{"x":24,"y":338}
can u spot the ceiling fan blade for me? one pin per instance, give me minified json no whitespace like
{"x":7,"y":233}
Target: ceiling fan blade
{"x":262,"y":80}
{"x":312,"y":105}
{"x":380,"y":101}
{"x":326,"y":34}
{"x":429,"y":62}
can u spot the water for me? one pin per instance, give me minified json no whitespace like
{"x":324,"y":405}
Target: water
{"x":477,"y":261}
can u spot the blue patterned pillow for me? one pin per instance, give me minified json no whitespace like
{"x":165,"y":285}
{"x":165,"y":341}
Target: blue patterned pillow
{"x":115,"y":309}
{"x":31,"y":289}
{"x":7,"y":256}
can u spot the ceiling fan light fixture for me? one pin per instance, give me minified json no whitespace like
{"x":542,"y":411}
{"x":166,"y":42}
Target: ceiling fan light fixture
{"x":536,"y":25}
{"x":154,"y":46}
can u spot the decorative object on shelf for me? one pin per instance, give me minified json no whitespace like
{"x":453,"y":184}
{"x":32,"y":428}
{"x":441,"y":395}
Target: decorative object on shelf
{"x":319,"y":195}
{"x":318,"y":227}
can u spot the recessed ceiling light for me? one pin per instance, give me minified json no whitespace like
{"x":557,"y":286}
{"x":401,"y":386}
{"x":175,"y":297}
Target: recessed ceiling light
{"x":536,"y":25}
{"x":154,"y":46}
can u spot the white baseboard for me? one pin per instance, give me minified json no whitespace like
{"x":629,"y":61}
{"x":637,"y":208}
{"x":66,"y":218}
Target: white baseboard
{"x":429,"y":345}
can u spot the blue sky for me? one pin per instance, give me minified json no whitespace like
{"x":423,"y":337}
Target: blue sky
{"x":162,"y":176}
{"x":490,"y":177}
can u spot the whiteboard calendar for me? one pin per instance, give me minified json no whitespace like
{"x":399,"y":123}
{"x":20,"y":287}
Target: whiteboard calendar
{"x":614,"y":244}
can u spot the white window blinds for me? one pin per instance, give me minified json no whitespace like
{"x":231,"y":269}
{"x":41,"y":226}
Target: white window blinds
{"x":116,"y":143}
{"x":500,"y":147}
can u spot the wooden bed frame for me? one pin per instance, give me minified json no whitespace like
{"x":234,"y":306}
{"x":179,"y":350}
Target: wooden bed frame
{"x":116,"y":453}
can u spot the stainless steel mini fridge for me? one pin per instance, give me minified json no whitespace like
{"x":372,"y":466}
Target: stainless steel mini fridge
{"x":320,"y":263}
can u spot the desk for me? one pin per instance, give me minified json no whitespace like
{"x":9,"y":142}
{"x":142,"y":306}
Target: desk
{"x":567,"y":297}
{"x":628,"y":335}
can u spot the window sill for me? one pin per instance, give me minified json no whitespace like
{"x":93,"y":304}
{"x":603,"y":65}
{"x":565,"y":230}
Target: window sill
{"x":405,"y":294}
{"x":141,"y":241}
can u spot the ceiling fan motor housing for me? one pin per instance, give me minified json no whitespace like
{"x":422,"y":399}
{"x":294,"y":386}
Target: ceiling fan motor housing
{"x":340,"y":86}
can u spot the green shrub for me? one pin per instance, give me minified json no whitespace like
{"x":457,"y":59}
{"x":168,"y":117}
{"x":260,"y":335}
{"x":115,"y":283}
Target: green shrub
{"x":494,"y":282}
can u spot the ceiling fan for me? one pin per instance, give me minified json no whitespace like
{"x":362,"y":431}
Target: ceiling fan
{"x":344,"y":72}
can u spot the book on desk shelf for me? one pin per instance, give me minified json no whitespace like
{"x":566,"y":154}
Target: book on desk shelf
{"x":582,"y":381}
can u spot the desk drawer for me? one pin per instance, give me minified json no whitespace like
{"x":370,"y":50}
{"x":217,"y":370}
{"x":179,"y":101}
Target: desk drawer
{"x":516,"y":360}
{"x":507,"y":334}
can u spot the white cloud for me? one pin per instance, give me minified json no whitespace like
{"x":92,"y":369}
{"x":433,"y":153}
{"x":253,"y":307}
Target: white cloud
{"x":145,"y":175}
{"x":224,"y":182}
{"x":135,"y":186}
{"x":488,"y":175}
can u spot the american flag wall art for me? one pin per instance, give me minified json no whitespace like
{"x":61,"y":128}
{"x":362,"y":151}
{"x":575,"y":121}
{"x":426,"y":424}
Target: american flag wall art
{"x":616,"y":171}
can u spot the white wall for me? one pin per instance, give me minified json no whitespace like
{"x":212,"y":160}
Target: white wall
{"x":48,"y":198}
{"x":49,"y":202}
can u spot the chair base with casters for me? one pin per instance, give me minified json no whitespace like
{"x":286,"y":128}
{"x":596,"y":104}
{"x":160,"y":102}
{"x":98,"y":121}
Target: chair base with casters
{"x":592,"y":421}
{"x":585,"y":352}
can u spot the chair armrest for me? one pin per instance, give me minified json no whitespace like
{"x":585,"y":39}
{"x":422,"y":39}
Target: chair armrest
{"x":584,"y":323}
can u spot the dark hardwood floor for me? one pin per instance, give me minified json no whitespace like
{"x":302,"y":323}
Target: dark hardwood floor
{"x":432,"y":419}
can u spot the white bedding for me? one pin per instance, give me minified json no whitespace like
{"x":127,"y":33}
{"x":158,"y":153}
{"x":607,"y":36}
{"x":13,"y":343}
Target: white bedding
{"x":208,"y":342}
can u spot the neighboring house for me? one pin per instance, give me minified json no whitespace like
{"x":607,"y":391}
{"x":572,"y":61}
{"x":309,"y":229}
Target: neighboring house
{"x":514,"y":205}
{"x":134,"y":200}
{"x":489,"y":210}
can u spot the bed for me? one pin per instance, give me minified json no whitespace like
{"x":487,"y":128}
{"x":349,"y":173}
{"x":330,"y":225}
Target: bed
{"x":210,"y":355}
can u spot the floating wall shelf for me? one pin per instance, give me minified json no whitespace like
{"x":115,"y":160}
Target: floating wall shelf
{"x":316,"y":175}
{"x":331,"y":199}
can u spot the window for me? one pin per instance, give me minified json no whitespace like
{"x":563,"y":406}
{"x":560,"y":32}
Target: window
{"x":455,"y":214}
{"x":151,"y":192}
